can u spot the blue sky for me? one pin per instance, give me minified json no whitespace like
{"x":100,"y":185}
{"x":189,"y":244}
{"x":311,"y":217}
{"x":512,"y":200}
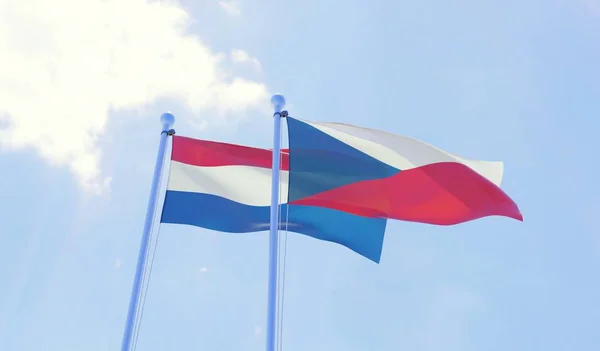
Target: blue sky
{"x":81,"y":92}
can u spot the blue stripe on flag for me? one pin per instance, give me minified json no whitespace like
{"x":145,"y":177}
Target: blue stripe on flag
{"x":360,"y":234}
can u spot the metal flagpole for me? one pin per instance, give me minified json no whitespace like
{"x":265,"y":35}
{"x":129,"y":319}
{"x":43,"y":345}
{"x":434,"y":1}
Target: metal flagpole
{"x":278,"y":102}
{"x":167,"y":120}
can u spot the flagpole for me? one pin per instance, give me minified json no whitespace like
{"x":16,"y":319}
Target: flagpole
{"x":278,"y":102}
{"x":167,"y":120}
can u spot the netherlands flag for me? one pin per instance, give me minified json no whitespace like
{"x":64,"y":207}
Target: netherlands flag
{"x":339,"y":183}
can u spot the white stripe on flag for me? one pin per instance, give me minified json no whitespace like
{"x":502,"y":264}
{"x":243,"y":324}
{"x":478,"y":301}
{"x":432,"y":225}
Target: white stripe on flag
{"x":403,"y":152}
{"x":243,"y":184}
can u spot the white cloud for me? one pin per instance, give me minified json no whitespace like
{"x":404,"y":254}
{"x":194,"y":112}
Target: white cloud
{"x":241,"y":56}
{"x":231,"y":7}
{"x":66,"y":64}
{"x":203,"y":269}
{"x":117,"y":264}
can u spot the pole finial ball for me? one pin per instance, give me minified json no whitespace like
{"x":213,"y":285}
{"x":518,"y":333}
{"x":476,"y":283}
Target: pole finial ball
{"x":167,"y":119}
{"x":278,"y":102}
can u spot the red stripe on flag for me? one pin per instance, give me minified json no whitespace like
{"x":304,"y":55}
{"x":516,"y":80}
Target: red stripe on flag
{"x":440,"y":193}
{"x":212,"y":154}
